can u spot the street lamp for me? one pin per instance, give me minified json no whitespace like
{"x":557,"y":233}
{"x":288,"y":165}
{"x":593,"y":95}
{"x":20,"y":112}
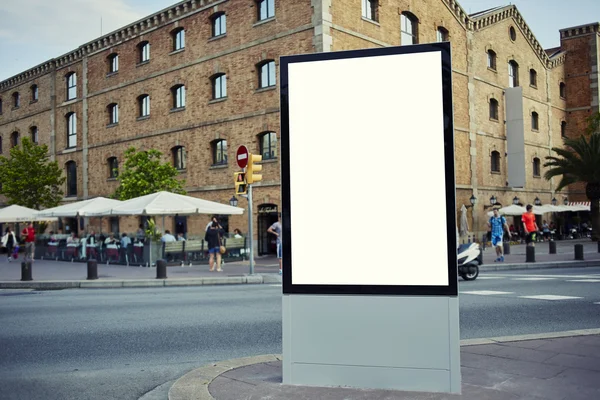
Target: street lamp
{"x":537,"y":201}
{"x":554,"y":201}
{"x":493,"y":200}
{"x":515,"y":200}
{"x":566,"y":201}
{"x":473,"y":200}
{"x":233,"y":201}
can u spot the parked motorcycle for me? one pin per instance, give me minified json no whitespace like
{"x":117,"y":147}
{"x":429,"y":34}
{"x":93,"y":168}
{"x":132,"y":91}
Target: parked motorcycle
{"x":469,"y":258}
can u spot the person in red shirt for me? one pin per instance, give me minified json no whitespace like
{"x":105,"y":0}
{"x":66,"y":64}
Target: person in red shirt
{"x":529,"y":225}
{"x":29,"y":234}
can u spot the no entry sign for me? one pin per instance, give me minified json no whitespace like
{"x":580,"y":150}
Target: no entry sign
{"x":242,"y":156}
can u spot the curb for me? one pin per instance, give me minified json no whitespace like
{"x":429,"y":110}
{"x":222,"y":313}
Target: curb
{"x":194,"y":384}
{"x":540,"y":265}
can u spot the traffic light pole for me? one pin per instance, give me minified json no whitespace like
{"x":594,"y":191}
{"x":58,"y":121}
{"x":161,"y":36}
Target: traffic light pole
{"x":250,"y":230}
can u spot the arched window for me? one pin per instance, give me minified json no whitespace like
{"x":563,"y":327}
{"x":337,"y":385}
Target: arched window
{"x":178,"y":36}
{"x":512,"y":33}
{"x":266,"y":74}
{"x":179,"y":157}
{"x":219,"y":150}
{"x":71,"y":85}
{"x":178,"y":94}
{"x":113,"y":63}
{"x":533,"y":77}
{"x":14,"y":139}
{"x":536,"y":167}
{"x":71,"y":129}
{"x":495,"y":161}
{"x":144,"y":105}
{"x":33,"y":132}
{"x":561,"y":90}
{"x":370,"y":9}
{"x":408,"y":28}
{"x":34,"y":93}
{"x":513,"y":74}
{"x":535,"y":125}
{"x":0,"y":106}
{"x":563,"y":129}
{"x":16,"y":99}
{"x":143,"y":52}
{"x":494,"y":109}
{"x":266,"y":9}
{"x":219,"y":24}
{"x":113,"y":113}
{"x":219,"y":86}
{"x":113,"y":167}
{"x":491,"y":59}
{"x":71,"y":169}
{"x":268,"y":145}
{"x":442,"y":34}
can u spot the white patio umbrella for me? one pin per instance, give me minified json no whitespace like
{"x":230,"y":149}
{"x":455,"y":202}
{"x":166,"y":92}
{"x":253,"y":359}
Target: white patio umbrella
{"x":17,"y":213}
{"x":82,"y":208}
{"x":464,"y":223}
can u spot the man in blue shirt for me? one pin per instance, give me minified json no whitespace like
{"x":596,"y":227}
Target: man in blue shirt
{"x":497,"y":225}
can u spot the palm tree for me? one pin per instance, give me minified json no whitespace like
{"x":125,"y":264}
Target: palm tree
{"x":579,"y":161}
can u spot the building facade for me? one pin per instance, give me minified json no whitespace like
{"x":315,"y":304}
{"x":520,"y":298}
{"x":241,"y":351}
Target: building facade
{"x":199,"y":79}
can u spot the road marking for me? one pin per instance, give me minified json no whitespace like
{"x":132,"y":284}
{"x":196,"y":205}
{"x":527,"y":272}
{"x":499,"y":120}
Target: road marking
{"x":598,"y":302}
{"x":485,"y":292}
{"x":549,"y":297}
{"x":587,"y":276}
{"x":276,"y":285}
{"x":533,"y":279}
{"x":491,"y":277}
{"x":584,"y":280}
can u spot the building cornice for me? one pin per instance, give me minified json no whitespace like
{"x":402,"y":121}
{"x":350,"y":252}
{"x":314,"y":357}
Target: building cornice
{"x":580,"y":30}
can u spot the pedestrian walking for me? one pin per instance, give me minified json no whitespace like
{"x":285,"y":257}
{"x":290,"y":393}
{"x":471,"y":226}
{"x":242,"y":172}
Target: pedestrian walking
{"x":529,"y":225}
{"x":497,"y":225}
{"x":29,"y":234}
{"x":213,"y":237}
{"x":276,"y":229}
{"x":9,"y":240}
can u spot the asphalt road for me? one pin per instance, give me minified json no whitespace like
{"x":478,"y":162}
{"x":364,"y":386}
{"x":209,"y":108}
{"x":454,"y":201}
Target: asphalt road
{"x":132,"y":344}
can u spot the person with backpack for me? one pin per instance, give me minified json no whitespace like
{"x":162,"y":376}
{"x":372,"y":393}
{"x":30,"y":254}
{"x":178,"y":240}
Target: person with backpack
{"x":9,"y":240}
{"x":497,"y":225}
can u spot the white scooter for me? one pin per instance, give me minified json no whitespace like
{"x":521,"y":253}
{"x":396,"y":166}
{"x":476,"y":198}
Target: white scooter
{"x":469,"y":259}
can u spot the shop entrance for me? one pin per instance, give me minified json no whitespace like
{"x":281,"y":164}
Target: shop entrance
{"x":267,"y":216}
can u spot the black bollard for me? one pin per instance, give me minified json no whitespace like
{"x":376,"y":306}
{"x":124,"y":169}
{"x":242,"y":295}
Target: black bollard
{"x":506,"y":247}
{"x":92,"y":267}
{"x":529,"y":254}
{"x":26,"y":274}
{"x":161,"y":269}
{"x":552,"y":246}
{"x":579,"y":252}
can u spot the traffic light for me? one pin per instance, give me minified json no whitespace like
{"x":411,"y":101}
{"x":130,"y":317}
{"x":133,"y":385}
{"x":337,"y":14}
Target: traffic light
{"x":253,"y":168}
{"x":240,"y":182}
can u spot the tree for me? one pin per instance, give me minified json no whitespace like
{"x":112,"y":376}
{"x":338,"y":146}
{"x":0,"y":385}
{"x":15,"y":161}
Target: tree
{"x":29,"y":178}
{"x":579,"y":161}
{"x":144,"y":173}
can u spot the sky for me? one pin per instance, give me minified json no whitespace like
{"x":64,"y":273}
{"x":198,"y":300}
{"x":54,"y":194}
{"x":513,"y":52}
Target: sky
{"x":35,"y":31}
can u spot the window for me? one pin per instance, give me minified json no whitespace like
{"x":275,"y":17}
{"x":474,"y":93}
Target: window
{"x":533,"y":77}
{"x":179,"y":157}
{"x":219,"y":86}
{"x":491,"y":59}
{"x":266,"y":9}
{"x":113,"y":113}
{"x":14,"y":139}
{"x":178,"y":93}
{"x":513,"y":74}
{"x":408,"y":29}
{"x":561,"y":90}
{"x":16,"y":99}
{"x":113,"y":167}
{"x":34,"y":93}
{"x":144,"y":105}
{"x":494,"y":109}
{"x":266,"y":74}
{"x":442,"y":34}
{"x":113,"y":63}
{"x":268,"y":145}
{"x":33,"y":132}
{"x":536,"y":167}
{"x":143,"y":52}
{"x":512,"y":33}
{"x":71,"y":130}
{"x":219,"y":24}
{"x":495,"y":161}
{"x":219,"y":152}
{"x":534,"y":121}
{"x":71,"y":168}
{"x":71,"y":86}
{"x":178,"y":39}
{"x":369,"y":9}
{"x":563,"y":129}
{"x":0,"y":106}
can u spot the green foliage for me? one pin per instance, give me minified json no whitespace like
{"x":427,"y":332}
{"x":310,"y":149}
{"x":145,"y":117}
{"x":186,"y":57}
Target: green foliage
{"x":152,"y":232}
{"x":29,"y":178}
{"x":143,"y":173}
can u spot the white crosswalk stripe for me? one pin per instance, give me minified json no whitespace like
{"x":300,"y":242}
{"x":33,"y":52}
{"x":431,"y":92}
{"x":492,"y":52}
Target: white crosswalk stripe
{"x":584,"y":280}
{"x":533,"y":279}
{"x":550,"y":297}
{"x":485,"y":292}
{"x":490,"y":277}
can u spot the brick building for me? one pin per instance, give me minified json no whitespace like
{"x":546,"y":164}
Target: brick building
{"x":200,"y":78}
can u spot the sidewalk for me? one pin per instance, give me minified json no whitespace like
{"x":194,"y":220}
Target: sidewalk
{"x":554,"y":366}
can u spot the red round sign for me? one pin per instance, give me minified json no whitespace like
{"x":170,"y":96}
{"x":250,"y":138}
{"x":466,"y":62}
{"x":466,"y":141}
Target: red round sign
{"x":242,"y":156}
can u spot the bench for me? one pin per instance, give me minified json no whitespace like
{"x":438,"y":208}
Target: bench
{"x":236,"y":248}
{"x":193,"y":251}
{"x":173,"y":249}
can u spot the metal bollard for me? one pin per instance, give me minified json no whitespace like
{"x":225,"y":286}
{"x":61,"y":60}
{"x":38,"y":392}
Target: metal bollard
{"x":26,"y":273}
{"x":92,"y":269}
{"x":161,"y":269}
{"x":552,"y":246}
{"x":579,"y":252}
{"x":506,"y":247}
{"x":529,"y":254}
